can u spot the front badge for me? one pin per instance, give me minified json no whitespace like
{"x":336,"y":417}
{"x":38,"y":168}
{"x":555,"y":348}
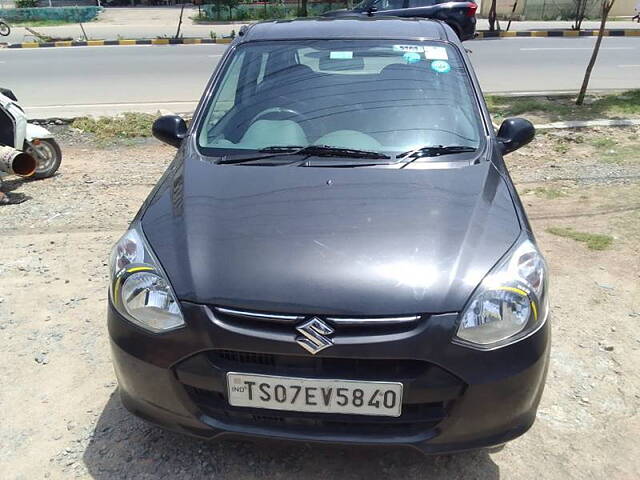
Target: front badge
{"x":314,"y":334}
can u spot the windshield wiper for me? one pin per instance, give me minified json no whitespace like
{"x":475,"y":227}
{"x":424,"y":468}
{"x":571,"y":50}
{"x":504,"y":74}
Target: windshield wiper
{"x":329,"y":151}
{"x":310,"y":150}
{"x":436,"y":151}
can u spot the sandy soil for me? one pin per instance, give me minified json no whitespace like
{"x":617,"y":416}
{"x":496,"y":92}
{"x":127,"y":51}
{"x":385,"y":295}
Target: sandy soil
{"x":61,"y":417}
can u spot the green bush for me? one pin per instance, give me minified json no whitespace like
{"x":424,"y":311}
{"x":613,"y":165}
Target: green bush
{"x":127,"y":125}
{"x":67,"y":14}
{"x":252,"y":11}
{"x":26,"y":3}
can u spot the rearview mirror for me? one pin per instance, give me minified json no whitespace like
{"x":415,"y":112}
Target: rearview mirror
{"x":515,"y":133}
{"x":170,"y":129}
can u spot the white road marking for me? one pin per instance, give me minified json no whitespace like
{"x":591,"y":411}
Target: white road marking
{"x":129,"y":47}
{"x":531,"y":49}
{"x":629,"y":66}
{"x":100,"y":105}
{"x":534,"y":92}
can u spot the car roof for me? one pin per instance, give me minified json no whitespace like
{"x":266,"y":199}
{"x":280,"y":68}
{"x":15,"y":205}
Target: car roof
{"x":350,"y":27}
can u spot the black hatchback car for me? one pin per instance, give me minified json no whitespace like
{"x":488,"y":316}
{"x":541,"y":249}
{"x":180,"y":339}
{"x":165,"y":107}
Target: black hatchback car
{"x":337,"y":252}
{"x":459,"y":15}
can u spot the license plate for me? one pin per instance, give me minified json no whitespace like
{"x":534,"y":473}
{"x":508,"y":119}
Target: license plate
{"x":314,"y":395}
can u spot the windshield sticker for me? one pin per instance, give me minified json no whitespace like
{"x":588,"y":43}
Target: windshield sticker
{"x":411,"y":57}
{"x":435,"y":53}
{"x":440,"y":66}
{"x":341,"y":55}
{"x":408,"y":48}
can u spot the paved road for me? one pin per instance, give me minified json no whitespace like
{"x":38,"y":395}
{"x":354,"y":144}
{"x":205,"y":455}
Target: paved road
{"x":101,"y":80}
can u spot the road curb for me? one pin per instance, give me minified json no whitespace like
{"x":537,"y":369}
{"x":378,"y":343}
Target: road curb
{"x":124,"y":42}
{"x":483,"y":34}
{"x":629,"y":122}
{"x":480,"y":35}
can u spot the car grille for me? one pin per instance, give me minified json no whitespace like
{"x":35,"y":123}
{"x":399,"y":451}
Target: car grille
{"x":283,"y":322}
{"x":429,"y":391}
{"x":414,"y":418}
{"x":328,"y":367}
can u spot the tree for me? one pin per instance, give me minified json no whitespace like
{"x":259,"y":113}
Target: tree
{"x":606,"y":8}
{"x":179,"y":21}
{"x":493,"y":16}
{"x":579,"y":12}
{"x":231,"y":4}
{"x":304,"y":11}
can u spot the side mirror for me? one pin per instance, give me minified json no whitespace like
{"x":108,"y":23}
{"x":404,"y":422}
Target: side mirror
{"x":170,"y":129}
{"x":515,"y":133}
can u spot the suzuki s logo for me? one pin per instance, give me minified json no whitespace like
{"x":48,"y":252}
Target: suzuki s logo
{"x":313,"y":335}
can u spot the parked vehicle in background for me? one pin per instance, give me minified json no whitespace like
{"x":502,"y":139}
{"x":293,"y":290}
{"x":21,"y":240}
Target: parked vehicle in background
{"x":460,"y":16}
{"x":337,"y":252}
{"x":5,"y":29}
{"x":32,"y":139}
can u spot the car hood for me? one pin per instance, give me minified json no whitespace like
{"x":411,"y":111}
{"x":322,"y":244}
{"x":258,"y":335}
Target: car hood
{"x":341,"y":241}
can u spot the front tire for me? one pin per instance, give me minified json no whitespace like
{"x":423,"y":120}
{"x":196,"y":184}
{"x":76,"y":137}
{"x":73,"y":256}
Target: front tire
{"x":48,"y":157}
{"x":5,"y":30}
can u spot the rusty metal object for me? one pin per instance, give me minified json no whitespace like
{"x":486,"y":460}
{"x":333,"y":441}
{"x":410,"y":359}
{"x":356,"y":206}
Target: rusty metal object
{"x":16,"y":162}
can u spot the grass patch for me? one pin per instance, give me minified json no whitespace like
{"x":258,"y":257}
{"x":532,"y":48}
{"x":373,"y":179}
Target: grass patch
{"x":563,"y":107}
{"x":127,"y":125}
{"x":594,"y":241}
{"x":613,"y":150}
{"x":621,"y":154}
{"x":603,"y":143}
{"x":549,"y":193}
{"x":41,"y":23}
{"x":561,"y":147}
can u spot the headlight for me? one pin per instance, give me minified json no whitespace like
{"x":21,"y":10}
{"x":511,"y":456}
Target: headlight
{"x":510,"y":303}
{"x":140,"y":290}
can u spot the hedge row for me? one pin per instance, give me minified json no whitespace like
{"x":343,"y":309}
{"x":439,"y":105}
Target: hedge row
{"x":259,"y":12}
{"x":67,"y":14}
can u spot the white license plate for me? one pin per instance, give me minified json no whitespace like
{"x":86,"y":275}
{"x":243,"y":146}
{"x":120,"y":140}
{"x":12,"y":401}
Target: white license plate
{"x":314,"y":395}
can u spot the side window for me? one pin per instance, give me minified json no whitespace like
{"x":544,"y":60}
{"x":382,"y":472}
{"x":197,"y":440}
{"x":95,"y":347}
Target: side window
{"x":389,"y":4}
{"x":421,"y":3}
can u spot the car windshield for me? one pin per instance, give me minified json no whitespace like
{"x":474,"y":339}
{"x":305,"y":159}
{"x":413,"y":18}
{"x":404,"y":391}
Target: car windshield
{"x":385,"y":96}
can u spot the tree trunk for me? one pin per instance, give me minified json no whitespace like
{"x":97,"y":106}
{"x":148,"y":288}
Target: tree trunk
{"x":180,"y":21}
{"x":492,"y":17}
{"x":606,"y":8}
{"x":303,"y":10}
{"x":579,"y":15}
{"x":513,"y":10}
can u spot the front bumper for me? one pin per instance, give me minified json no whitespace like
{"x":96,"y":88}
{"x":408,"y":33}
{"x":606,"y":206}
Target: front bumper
{"x":455,"y":398}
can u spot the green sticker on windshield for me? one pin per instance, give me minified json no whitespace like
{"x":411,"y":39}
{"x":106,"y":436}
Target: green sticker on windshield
{"x":411,"y":57}
{"x":440,"y":66}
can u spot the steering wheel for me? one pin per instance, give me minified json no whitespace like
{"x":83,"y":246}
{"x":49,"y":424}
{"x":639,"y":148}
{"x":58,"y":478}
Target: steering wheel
{"x":279,"y":113}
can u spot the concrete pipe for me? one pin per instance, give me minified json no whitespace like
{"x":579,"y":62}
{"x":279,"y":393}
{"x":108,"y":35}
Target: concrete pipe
{"x":16,"y":162}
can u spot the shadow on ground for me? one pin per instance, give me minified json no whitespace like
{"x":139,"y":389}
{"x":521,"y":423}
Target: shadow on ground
{"x":123,"y":446}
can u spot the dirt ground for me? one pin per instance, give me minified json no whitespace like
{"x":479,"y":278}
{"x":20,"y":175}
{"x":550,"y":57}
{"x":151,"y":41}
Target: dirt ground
{"x":61,"y":416}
